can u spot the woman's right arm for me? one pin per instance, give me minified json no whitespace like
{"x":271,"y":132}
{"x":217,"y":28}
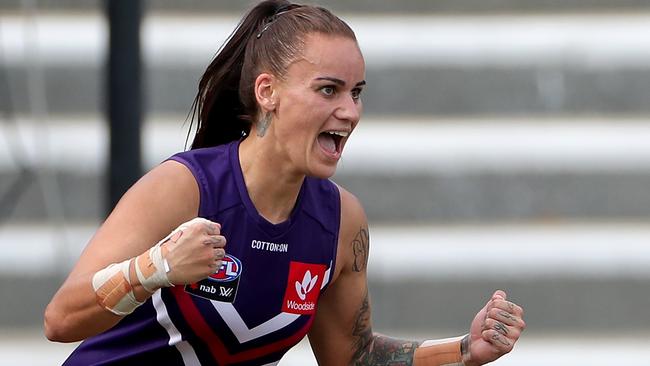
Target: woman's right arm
{"x":163,"y":199}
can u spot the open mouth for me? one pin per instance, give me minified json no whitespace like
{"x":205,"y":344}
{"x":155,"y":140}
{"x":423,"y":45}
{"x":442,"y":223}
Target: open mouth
{"x":331,"y":141}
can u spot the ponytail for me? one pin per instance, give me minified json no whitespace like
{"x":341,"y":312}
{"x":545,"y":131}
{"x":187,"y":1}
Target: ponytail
{"x":267,"y":39}
{"x":219,"y":113}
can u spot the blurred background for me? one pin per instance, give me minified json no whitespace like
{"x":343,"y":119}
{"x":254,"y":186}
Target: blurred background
{"x":504,"y":145}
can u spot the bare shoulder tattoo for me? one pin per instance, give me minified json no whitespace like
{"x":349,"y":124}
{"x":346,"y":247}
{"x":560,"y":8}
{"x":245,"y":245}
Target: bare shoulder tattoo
{"x":360,"y":247}
{"x":371,"y":349}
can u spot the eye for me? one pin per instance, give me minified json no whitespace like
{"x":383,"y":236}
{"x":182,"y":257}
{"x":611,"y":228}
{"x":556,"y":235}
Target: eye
{"x":356,"y":93}
{"x":328,"y":90}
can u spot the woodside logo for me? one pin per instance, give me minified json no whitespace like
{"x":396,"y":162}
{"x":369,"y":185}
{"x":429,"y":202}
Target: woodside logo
{"x":303,"y":287}
{"x":307,"y":284}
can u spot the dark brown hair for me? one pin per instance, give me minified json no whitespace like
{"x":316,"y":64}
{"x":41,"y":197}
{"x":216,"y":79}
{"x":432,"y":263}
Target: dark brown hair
{"x":267,"y":39}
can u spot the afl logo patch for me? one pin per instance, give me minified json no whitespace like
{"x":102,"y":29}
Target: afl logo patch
{"x":229,"y":270}
{"x":221,"y":285}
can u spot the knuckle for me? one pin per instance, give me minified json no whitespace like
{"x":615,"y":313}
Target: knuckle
{"x":206,"y":227}
{"x":190,"y":230}
{"x":213,"y":228}
{"x":514,"y":334}
{"x":208,"y":256}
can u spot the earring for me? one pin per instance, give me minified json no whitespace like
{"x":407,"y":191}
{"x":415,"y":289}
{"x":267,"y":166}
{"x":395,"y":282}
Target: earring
{"x":263,"y":124}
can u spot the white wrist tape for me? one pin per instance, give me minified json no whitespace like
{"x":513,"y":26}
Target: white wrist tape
{"x":152,"y":268}
{"x":113,"y":286}
{"x":439,"y":352}
{"x":113,"y":289}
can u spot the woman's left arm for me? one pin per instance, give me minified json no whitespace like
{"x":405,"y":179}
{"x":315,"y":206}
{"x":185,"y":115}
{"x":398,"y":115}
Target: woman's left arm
{"x":342,"y":330}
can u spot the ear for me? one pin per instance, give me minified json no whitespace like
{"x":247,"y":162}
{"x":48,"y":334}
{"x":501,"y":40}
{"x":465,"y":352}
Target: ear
{"x":265,"y":93}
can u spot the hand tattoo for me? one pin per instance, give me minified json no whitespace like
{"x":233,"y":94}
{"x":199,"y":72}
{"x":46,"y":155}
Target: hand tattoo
{"x":497,"y":337}
{"x":501,"y":328}
{"x":507,"y":315}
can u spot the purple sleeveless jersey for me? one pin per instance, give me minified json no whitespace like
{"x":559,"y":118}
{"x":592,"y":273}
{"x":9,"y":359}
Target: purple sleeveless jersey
{"x":262,"y":300}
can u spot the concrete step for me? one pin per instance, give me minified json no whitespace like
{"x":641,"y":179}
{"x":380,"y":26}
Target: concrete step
{"x":402,"y":170}
{"x":28,"y":346}
{"x":394,"y":91}
{"x":359,"y":7}
{"x":577,"y":277}
{"x":449,"y":66}
{"x":423,"y":198}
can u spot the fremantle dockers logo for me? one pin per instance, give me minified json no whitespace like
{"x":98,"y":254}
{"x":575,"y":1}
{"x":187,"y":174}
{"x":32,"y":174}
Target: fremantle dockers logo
{"x":221,"y":285}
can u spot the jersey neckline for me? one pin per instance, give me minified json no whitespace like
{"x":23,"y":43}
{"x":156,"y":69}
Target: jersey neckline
{"x":269,"y":227}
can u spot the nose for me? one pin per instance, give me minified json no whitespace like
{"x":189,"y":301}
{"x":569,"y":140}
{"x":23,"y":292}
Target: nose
{"x":349,"y":109}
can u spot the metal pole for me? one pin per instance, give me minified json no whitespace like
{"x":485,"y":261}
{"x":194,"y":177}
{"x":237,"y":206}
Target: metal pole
{"x":124,"y":97}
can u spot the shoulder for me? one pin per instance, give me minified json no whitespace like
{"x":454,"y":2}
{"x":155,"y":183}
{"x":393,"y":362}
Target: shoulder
{"x":204,"y":160}
{"x":353,"y":215}
{"x":170,"y":186}
{"x":353,"y":243}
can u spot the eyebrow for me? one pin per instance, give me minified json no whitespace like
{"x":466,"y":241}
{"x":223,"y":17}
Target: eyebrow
{"x":339,"y":81}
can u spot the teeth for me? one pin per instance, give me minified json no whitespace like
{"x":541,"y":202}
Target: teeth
{"x":339,"y":133}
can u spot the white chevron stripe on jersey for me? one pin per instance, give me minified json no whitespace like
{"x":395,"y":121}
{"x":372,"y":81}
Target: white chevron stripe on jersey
{"x":272,"y":363}
{"x":241,"y":330}
{"x":175,"y":338}
{"x":326,"y":280}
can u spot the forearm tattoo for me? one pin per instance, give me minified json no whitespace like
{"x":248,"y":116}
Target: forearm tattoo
{"x":362,"y":331}
{"x":360,"y":246}
{"x":371,"y":349}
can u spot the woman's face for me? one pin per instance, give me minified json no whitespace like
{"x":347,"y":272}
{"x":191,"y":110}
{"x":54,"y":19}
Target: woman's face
{"x":319,"y":104}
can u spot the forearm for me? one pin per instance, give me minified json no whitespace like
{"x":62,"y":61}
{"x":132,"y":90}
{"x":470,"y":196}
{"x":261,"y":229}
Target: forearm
{"x":89,"y":304}
{"x":74,"y":313}
{"x":379,"y":350}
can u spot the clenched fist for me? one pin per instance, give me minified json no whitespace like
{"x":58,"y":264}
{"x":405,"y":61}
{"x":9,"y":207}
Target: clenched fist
{"x":495,"y":330}
{"x":194,"y":251}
